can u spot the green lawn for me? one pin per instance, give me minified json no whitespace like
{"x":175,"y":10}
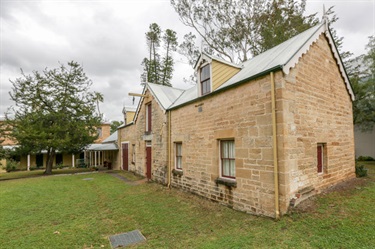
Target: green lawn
{"x":40,"y":172}
{"x":81,"y":211}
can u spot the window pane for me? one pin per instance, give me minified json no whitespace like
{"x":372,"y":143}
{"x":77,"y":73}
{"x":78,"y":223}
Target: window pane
{"x":232,"y":168}
{"x":231,"y":149}
{"x":205,"y":73}
{"x":206,"y":87}
{"x":224,"y":149}
{"x":226,"y":167}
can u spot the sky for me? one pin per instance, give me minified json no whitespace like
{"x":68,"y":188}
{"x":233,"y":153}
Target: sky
{"x":108,"y":39}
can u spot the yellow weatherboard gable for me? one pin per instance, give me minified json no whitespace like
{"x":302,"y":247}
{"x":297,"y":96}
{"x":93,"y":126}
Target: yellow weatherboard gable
{"x":221,"y":73}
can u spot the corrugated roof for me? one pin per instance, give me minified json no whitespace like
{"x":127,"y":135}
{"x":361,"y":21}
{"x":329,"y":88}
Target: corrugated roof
{"x":102,"y":147}
{"x":112,"y":138}
{"x":276,"y":57}
{"x":165,"y":95}
{"x":186,"y":96}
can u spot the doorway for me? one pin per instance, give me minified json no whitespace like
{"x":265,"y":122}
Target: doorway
{"x":39,"y":160}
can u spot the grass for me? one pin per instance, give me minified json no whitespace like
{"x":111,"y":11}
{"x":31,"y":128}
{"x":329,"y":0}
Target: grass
{"x":81,"y":211}
{"x":39,"y":172}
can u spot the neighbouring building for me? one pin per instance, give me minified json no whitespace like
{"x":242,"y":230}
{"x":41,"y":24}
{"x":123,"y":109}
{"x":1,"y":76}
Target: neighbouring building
{"x":364,"y":143}
{"x":96,"y":158}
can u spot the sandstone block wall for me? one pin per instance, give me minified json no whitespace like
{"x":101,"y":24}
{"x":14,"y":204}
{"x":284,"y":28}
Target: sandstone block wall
{"x":241,"y":113}
{"x":314,"y":107}
{"x":135,"y":135}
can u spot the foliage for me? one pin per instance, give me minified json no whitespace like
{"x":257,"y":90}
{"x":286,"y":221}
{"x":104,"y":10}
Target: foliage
{"x":237,"y":30}
{"x":361,"y":71}
{"x":115,"y":124}
{"x":192,"y":222}
{"x":360,"y":170}
{"x":54,"y":111}
{"x":2,"y":154}
{"x":279,"y":21}
{"x":365,"y":158}
{"x":156,"y":68}
{"x":11,"y":165}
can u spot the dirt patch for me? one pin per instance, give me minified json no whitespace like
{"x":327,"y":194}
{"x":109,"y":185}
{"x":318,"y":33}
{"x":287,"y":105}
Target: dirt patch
{"x":345,"y":188}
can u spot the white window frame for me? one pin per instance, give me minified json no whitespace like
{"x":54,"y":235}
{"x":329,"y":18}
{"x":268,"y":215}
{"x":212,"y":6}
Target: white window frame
{"x":322,"y":145}
{"x":221,"y":159}
{"x":176,"y":155}
{"x":200,"y":81}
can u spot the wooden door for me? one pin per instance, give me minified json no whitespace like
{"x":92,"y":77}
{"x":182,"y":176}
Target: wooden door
{"x":148,"y":161}
{"x":125,"y":156}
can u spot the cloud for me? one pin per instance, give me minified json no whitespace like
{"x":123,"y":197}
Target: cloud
{"x":108,"y":39}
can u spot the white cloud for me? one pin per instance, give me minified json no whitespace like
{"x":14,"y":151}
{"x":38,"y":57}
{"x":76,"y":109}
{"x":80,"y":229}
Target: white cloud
{"x":108,"y":39}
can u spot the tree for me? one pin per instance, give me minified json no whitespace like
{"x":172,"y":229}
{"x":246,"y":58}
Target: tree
{"x":170,"y":45}
{"x":279,"y":21}
{"x":114,"y":125}
{"x":237,"y":30}
{"x":158,"y":69}
{"x":362,"y":78}
{"x":54,"y":111}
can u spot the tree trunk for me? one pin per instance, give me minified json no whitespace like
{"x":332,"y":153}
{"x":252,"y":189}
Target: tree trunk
{"x":50,"y":156}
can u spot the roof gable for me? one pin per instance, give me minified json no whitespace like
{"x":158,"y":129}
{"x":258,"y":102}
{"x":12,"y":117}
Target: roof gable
{"x":164,"y":96}
{"x":204,"y":57}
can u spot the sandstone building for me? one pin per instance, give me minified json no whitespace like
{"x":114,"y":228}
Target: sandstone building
{"x":259,"y":136}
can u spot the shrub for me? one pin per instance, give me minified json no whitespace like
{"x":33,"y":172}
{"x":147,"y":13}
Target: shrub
{"x":11,"y":165}
{"x":365,"y":158}
{"x":360,"y":170}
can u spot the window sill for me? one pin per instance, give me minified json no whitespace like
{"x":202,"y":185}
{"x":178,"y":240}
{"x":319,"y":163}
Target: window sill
{"x":177,"y":172}
{"x":226,"y":182}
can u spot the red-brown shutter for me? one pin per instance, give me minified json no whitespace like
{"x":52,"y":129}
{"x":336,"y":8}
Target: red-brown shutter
{"x":149,"y":119}
{"x":320,"y":158}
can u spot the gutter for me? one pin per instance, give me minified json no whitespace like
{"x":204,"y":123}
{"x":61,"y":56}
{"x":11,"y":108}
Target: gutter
{"x":274,"y":138}
{"x":169,"y":153}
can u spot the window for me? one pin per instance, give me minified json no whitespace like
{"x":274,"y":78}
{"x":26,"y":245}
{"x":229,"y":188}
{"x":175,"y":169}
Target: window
{"x":148,"y":118}
{"x":227,"y":155}
{"x":99,"y":131}
{"x":178,"y":153}
{"x":205,"y":80}
{"x":320,"y":158}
